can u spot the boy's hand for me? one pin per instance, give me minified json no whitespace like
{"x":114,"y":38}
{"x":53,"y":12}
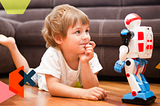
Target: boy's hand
{"x":94,"y":93}
{"x":89,"y":53}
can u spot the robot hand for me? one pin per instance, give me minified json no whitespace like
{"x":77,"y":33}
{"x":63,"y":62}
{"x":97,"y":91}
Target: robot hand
{"x":119,"y":65}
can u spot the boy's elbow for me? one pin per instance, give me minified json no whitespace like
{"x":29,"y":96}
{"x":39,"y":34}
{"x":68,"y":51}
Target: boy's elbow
{"x":52,"y":92}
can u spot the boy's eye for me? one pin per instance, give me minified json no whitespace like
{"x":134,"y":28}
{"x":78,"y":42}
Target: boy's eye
{"x":77,"y":32}
{"x":87,"y":30}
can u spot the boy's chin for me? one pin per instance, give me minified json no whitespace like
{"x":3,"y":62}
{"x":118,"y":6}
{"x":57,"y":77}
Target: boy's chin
{"x":82,"y":52}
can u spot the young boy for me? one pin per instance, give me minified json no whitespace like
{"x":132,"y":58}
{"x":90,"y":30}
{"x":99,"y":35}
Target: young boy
{"x":69,"y":59}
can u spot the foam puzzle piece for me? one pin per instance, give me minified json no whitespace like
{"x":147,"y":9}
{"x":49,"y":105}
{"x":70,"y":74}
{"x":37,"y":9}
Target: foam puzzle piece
{"x":5,"y":93}
{"x":15,"y":6}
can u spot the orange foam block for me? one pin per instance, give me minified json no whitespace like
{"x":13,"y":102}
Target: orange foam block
{"x":158,"y":66}
{"x":14,"y":79}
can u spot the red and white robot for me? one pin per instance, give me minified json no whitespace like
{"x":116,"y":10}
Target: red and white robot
{"x":137,"y":45}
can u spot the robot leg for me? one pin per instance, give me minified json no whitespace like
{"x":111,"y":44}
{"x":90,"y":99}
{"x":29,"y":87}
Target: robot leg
{"x":130,"y":68}
{"x":139,"y":95}
{"x":146,"y":84}
{"x":144,"y":81}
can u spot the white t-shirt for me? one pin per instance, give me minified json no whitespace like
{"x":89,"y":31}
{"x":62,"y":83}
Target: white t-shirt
{"x":53,"y":63}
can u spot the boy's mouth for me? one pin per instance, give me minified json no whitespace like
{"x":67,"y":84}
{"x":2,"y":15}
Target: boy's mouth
{"x":83,"y":43}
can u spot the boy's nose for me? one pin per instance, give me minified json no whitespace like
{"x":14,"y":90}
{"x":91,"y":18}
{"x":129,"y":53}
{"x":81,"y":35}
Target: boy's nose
{"x":86,"y":38}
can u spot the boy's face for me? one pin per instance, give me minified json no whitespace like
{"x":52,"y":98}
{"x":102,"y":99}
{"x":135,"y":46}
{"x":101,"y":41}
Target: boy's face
{"x":77,"y":38}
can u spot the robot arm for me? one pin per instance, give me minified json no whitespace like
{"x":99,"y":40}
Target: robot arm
{"x":122,"y":57}
{"x":126,"y":36}
{"x":123,"y":50}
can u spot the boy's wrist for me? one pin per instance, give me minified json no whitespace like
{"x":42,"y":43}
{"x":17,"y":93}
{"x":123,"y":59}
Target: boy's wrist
{"x":80,"y":93}
{"x":84,"y":62}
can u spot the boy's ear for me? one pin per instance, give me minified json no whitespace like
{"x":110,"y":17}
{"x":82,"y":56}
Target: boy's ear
{"x":58,"y":39}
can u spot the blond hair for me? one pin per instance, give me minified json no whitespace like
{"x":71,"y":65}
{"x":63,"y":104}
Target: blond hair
{"x":59,"y":20}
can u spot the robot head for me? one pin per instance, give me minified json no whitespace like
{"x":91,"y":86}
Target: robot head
{"x":132,"y":20}
{"x":126,"y":35}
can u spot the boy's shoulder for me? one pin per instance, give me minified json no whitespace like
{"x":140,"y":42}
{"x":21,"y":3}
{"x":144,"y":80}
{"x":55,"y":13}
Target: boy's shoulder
{"x":52,"y":52}
{"x":51,"y":49}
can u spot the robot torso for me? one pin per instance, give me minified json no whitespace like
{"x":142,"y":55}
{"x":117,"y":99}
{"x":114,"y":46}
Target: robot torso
{"x":141,"y":45}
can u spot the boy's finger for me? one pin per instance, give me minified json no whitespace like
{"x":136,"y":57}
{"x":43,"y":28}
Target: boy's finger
{"x":89,"y":48}
{"x":92,"y":43}
{"x":102,"y":90}
{"x":99,"y":96}
{"x":88,"y":52}
{"x":102,"y":94}
{"x":93,"y":98}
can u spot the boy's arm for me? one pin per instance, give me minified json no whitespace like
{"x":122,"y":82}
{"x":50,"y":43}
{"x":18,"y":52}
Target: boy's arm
{"x":58,"y":89}
{"x":89,"y":79}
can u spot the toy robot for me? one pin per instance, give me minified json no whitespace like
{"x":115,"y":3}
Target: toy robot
{"x":137,"y":45}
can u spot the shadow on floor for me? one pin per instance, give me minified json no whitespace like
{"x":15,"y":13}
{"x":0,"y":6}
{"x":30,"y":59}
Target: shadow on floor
{"x":120,"y":78}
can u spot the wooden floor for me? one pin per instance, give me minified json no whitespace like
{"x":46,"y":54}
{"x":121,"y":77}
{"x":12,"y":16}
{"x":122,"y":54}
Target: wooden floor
{"x":34,"y":97}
